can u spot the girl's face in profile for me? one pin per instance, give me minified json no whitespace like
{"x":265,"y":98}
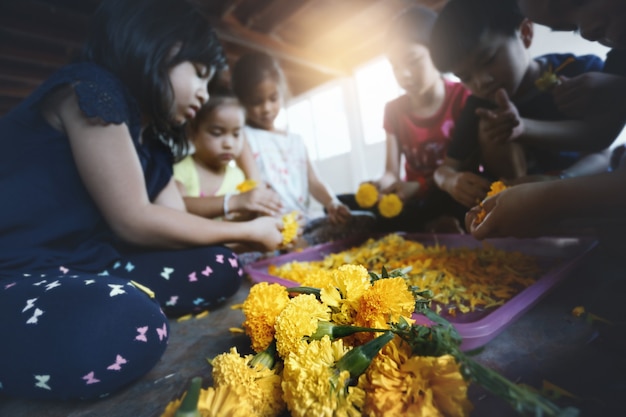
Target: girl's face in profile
{"x":264,"y":104}
{"x":217,"y":137}
{"x":597,"y":20}
{"x":412,"y":67}
{"x":189,"y":83}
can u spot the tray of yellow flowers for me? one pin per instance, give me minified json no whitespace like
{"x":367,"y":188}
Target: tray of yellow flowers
{"x":480,"y":287}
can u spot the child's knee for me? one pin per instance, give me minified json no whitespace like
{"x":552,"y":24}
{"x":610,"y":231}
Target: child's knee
{"x":91,"y":337}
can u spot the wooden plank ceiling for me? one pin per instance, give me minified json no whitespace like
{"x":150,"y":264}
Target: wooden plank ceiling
{"x":314,"y":40}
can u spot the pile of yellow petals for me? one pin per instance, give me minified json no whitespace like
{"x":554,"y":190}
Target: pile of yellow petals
{"x":290,"y":227}
{"x":246,"y":186}
{"x":390,"y":205}
{"x":460,"y":278}
{"x":496,"y":187}
{"x":367,"y":195}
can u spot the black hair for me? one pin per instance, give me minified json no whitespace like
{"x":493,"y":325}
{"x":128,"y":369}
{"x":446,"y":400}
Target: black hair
{"x":218,"y":97}
{"x":462,"y":23}
{"x":140,"y":40}
{"x":413,"y":24}
{"x":253,"y":68}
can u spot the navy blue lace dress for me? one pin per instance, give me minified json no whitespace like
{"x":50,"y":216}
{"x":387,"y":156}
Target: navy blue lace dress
{"x":68,"y":287}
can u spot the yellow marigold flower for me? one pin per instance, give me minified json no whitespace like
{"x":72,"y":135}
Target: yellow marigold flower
{"x":297,"y":320}
{"x":313,"y":387}
{"x":398,"y":384}
{"x":344,"y":290}
{"x":263,"y":304}
{"x":290,"y":227}
{"x":390,"y":205}
{"x":246,"y":185}
{"x":367,"y":195}
{"x":496,"y":187}
{"x":216,"y":402}
{"x":384,"y":302}
{"x":259,"y":386}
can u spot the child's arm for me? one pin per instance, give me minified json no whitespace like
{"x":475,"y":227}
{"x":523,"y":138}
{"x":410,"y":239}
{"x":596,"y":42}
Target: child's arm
{"x":591,"y":134}
{"x":465,"y":187}
{"x":109,"y":167}
{"x":534,"y":209}
{"x":392,"y":163}
{"x":246,"y":162}
{"x":337,"y":211}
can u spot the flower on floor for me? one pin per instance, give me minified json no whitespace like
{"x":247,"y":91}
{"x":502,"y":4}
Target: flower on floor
{"x":211,"y":402}
{"x":255,"y":383}
{"x":387,"y":300}
{"x":261,"y":308}
{"x":367,"y":195}
{"x":390,"y":205}
{"x":400,"y":384}
{"x":312,"y":384}
{"x":298,"y":320}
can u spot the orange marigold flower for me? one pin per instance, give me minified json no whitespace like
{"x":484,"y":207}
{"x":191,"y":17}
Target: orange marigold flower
{"x":399,"y":384}
{"x":367,"y":195}
{"x":261,"y":308}
{"x":383,"y":302}
{"x":390,"y":205}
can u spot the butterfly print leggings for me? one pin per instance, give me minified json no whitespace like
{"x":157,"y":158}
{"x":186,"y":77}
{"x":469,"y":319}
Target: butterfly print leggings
{"x":75,"y":335}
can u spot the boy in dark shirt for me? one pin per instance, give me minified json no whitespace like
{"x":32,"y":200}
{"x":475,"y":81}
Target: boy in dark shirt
{"x":509,"y":127}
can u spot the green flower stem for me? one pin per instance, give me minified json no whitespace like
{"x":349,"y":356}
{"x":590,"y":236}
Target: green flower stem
{"x":306,"y":290}
{"x":267,"y":358}
{"x":336,"y":331}
{"x":189,"y":405}
{"x":524,"y":401}
{"x":358,"y":359}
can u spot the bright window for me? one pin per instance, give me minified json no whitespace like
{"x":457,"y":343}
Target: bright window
{"x":321,"y":121}
{"x":376,"y":85}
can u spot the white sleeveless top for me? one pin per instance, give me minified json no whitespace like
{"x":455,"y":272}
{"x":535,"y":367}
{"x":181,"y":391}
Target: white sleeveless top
{"x":282,"y":159}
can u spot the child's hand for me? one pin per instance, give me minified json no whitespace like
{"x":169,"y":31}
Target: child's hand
{"x":403,"y":189}
{"x":518,"y":211}
{"x":502,"y":124}
{"x":262,"y":200}
{"x":589,"y":93}
{"x":338,"y":212}
{"x":468,"y":188}
{"x":266,"y":232}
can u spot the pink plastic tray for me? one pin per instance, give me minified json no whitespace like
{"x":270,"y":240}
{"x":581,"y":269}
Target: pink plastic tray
{"x":559,"y":255}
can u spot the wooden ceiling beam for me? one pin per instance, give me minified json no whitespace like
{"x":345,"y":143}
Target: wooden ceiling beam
{"x":15,"y":90}
{"x":239,"y":35}
{"x":38,"y":57}
{"x":21,"y":72}
{"x":275,"y":13}
{"x":50,"y":33}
